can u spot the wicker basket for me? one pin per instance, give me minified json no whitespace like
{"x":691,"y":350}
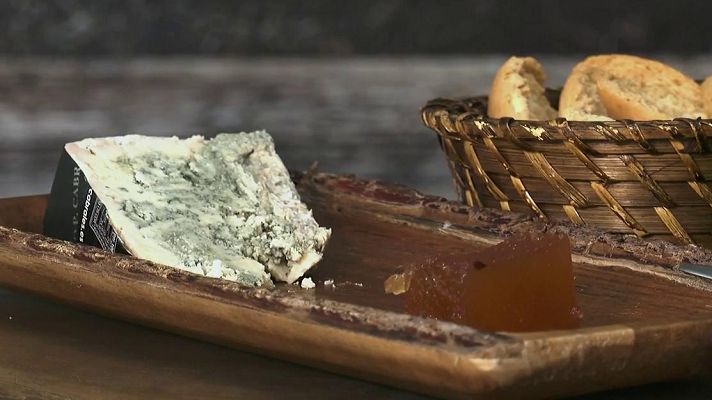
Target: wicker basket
{"x":645,"y":177}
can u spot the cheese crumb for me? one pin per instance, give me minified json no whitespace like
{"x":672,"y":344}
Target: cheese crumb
{"x":308,"y":283}
{"x":329,"y":282}
{"x":215,"y":269}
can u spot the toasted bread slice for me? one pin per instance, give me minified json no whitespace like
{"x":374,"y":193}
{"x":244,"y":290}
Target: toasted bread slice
{"x":518,"y":91}
{"x":629,"y":87}
{"x":579,"y":99}
{"x":706,"y":88}
{"x":642,"y":89}
{"x":584,"y":116}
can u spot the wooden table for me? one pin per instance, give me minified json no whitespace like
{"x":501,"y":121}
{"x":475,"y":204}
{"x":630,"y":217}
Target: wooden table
{"x":49,"y":351}
{"x":358,"y":115}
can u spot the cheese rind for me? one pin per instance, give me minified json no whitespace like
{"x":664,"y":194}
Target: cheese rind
{"x":224,"y":207}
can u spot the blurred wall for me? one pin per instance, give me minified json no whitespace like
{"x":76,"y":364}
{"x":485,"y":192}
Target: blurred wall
{"x":339,"y":82}
{"x":327,"y":27}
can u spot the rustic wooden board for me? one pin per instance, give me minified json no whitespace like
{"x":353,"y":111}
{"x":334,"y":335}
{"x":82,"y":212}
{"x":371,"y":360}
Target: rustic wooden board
{"x":643,"y":321}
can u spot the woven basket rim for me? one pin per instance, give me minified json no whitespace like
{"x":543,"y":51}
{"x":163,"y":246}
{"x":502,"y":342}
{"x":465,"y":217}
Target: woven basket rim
{"x":462,"y":110}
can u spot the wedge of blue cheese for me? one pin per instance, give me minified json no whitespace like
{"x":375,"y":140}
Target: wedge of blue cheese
{"x":224,"y":207}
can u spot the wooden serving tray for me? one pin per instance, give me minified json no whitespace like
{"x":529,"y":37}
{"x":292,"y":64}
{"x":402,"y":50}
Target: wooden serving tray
{"x":643,"y":320}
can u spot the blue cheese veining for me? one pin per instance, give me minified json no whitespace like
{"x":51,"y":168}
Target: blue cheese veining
{"x":224,"y":207}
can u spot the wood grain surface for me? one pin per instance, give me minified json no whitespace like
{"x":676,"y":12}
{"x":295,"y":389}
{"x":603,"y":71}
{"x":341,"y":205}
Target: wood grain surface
{"x":639,"y":331}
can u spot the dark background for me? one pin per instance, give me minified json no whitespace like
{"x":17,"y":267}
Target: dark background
{"x":374,"y":27}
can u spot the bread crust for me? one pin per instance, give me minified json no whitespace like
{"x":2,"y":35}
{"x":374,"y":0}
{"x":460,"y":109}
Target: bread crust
{"x":629,"y":87}
{"x":706,"y":89}
{"x":583,"y":116}
{"x":579,"y":98}
{"x":518,"y":91}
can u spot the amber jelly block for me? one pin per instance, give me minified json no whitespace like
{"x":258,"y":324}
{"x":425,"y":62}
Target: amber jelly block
{"x":525,"y":283}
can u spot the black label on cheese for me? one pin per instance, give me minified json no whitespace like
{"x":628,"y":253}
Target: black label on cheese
{"x":74,"y":213}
